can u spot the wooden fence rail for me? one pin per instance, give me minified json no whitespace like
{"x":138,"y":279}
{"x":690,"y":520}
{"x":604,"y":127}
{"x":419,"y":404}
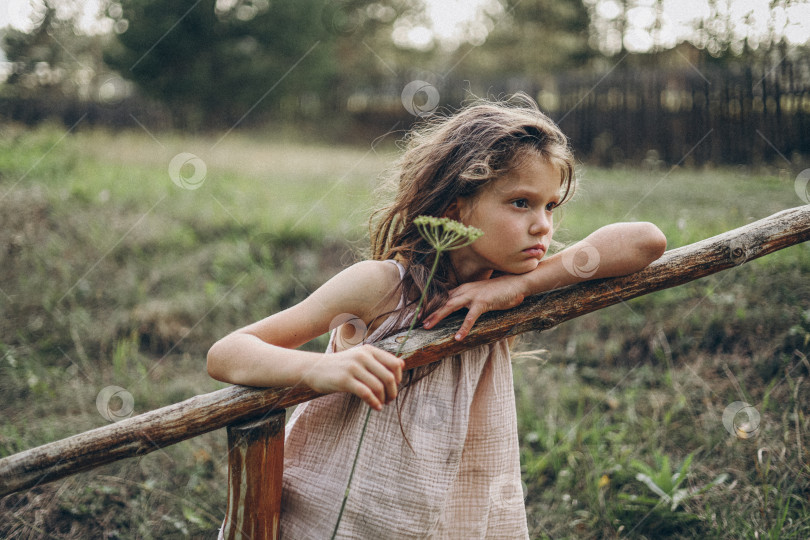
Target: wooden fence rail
{"x":237,"y":406}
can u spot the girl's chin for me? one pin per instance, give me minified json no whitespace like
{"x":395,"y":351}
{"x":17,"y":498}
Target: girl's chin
{"x":522,"y":267}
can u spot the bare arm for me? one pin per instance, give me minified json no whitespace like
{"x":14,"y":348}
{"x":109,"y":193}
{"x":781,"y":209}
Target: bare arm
{"x":263,"y":353}
{"x":613,"y":250}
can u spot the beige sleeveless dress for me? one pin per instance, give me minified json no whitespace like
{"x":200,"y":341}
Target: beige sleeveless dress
{"x":460,"y":480}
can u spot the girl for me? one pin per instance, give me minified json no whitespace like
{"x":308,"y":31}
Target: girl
{"x":443,"y":460}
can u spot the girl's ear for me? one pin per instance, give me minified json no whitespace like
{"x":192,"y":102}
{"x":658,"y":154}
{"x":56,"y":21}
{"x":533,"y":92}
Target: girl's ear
{"x":453,"y":211}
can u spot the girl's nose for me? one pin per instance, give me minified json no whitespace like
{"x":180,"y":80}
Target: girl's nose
{"x":542,"y":223}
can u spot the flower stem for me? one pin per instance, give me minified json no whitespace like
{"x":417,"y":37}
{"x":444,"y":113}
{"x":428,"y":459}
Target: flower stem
{"x":368,"y":412}
{"x":351,"y":474}
{"x":419,"y":305}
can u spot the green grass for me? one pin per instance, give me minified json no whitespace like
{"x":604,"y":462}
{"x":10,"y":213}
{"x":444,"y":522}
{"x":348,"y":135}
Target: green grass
{"x":110,"y":274}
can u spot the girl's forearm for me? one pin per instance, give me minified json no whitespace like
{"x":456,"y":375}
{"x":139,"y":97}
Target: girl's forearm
{"x":614,"y":250}
{"x":242,"y":358}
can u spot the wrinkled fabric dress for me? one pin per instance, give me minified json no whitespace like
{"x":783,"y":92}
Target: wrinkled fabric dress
{"x":460,"y":480}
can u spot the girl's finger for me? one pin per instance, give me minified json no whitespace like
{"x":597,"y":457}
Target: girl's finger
{"x":373,"y":383}
{"x":386,"y":378}
{"x":365,"y":393}
{"x":389,"y":361}
{"x":377,"y":375}
{"x":432,"y":319}
{"x":468,"y":323}
{"x":449,"y":307}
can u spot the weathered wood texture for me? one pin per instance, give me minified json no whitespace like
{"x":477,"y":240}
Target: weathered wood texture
{"x":149,"y":431}
{"x":255,"y":468}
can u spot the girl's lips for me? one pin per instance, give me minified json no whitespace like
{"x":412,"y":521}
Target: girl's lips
{"x":535,"y":251}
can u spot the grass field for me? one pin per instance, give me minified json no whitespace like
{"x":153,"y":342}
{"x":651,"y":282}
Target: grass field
{"x":110,"y":274}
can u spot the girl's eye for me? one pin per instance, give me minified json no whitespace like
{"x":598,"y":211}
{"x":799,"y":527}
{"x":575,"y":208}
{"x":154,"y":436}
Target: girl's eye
{"x":551,"y":206}
{"x":520,"y":203}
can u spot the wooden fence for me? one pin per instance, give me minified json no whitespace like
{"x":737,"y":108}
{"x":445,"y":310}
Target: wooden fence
{"x":255,"y":417}
{"x":735,"y":114}
{"x":674,"y":110}
{"x":694,"y":113}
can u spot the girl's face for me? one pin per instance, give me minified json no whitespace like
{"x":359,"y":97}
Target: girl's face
{"x":515,"y":213}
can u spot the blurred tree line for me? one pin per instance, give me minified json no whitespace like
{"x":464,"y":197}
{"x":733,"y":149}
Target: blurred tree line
{"x":340,"y":64}
{"x":211,"y":60}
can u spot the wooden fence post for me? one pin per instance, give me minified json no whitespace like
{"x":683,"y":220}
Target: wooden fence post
{"x":255,"y":467}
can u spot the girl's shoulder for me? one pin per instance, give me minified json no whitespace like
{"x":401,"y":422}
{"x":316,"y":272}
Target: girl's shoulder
{"x":379,"y":280}
{"x":367,"y":286}
{"x":381,"y":276}
{"x":388,"y":270}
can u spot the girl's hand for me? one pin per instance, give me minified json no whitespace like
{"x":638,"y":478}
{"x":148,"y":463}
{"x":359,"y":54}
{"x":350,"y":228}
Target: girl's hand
{"x":370,"y":373}
{"x":478,"y":297}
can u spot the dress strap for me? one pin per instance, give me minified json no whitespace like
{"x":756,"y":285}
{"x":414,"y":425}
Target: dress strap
{"x":401,"y":268}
